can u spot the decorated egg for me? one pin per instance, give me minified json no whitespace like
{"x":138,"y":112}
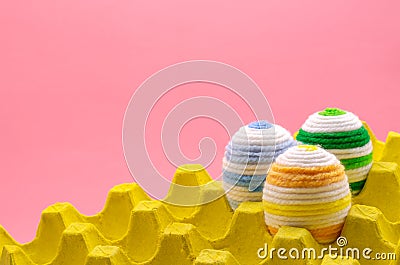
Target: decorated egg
{"x":248,"y":157}
{"x":307,"y":187}
{"x":342,"y":134}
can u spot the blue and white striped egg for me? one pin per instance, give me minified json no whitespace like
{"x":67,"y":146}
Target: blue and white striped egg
{"x":248,"y":157}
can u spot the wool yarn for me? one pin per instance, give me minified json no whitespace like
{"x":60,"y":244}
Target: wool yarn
{"x":307,"y":187}
{"x":342,"y":134}
{"x":248,"y":157}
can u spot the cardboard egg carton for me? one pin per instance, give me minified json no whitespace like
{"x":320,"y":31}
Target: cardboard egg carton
{"x":135,"y":229}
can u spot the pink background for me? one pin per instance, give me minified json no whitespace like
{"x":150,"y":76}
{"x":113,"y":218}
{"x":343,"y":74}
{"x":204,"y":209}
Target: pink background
{"x":69,"y":68}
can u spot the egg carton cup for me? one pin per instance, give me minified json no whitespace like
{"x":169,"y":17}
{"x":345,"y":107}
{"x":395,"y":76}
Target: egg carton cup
{"x":135,"y":229}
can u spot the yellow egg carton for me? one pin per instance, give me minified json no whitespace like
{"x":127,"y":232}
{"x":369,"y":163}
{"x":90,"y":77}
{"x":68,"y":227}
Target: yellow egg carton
{"x":134,"y":229}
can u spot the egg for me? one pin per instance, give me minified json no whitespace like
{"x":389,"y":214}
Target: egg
{"x":342,"y":134}
{"x":248,"y":157}
{"x":307,"y":187}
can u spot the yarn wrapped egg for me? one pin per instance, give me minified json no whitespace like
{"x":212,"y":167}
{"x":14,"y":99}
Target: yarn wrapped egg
{"x":248,"y":157}
{"x":342,"y":134}
{"x":307,"y":187}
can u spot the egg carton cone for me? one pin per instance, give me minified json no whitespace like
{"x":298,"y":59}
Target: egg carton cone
{"x":134,"y":229}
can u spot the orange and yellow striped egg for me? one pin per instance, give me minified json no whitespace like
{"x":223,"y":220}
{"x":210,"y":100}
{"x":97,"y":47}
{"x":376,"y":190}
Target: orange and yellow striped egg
{"x":307,"y":187}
